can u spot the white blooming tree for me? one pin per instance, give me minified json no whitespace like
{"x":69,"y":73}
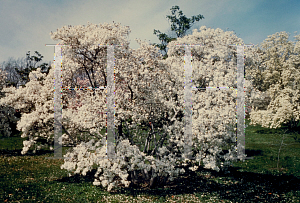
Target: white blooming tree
{"x":141,"y":77}
{"x":277,"y":74}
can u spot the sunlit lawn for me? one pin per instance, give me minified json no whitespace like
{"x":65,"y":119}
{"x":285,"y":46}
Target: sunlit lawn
{"x":32,"y":178}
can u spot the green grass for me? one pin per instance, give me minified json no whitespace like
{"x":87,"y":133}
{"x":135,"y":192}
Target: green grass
{"x":32,"y":178}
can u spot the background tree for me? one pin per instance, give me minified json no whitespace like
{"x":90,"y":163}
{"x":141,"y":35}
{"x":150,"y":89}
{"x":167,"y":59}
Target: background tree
{"x":9,"y":66}
{"x":18,"y":70}
{"x":3,"y":76}
{"x":31,"y":62}
{"x":180,"y":25}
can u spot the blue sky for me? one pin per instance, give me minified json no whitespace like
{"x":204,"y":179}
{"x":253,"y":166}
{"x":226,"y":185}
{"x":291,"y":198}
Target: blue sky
{"x":25,"y":25}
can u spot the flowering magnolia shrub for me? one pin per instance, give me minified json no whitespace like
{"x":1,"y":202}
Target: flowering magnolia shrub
{"x":141,"y":77}
{"x":208,"y":141}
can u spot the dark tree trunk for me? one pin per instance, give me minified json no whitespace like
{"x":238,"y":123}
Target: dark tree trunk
{"x":165,"y":178}
{"x":153,"y":180}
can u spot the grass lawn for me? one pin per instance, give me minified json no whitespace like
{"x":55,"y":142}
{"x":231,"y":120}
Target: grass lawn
{"x":32,"y":178}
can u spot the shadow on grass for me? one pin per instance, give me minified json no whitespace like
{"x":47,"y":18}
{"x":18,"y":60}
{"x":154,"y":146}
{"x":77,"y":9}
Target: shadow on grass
{"x":265,"y":131}
{"x":17,"y":152}
{"x":236,"y":186}
{"x":79,"y":178}
{"x":252,"y":152}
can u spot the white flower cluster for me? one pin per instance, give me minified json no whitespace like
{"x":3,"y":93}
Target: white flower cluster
{"x":36,"y":75}
{"x":27,"y":145}
{"x":87,"y":156}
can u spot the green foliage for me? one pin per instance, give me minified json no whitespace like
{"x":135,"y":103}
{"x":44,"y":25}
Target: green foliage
{"x":180,"y":25}
{"x":183,"y":22}
{"x":165,"y":40}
